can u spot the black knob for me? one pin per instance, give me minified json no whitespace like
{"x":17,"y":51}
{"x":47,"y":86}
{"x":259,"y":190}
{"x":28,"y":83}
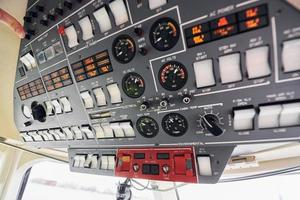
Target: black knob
{"x":164,"y":103}
{"x":210,"y":122}
{"x":139,"y":31}
{"x":44,"y":22}
{"x":186,"y":99}
{"x":27,"y":123}
{"x":145,"y":105}
{"x":68,"y":5}
{"x":59,"y":11}
{"x":143,"y":51}
{"x":27,"y":19}
{"x":30,"y":31}
{"x":33,"y":14}
{"x":40,"y":8}
{"x":51,"y":17}
{"x":38,"y":112}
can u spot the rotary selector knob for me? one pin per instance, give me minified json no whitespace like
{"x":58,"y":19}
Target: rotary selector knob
{"x":38,"y":112}
{"x":211,"y":123}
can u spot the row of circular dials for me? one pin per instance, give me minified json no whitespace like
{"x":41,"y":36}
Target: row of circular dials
{"x":164,"y":35}
{"x":175,"y":124}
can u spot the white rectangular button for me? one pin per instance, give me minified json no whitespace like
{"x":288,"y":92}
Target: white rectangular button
{"x":243,"y":119}
{"x":103,"y":20}
{"x":87,"y":99}
{"x":99,"y":131}
{"x":88,"y":161}
{"x":31,"y":59}
{"x":104,"y":162}
{"x":72,"y":36}
{"x":100,"y":96}
{"x":204,"y":73}
{"x":108,"y":132}
{"x":88,"y":132}
{"x":290,"y":55}
{"x":114,"y":92}
{"x":204,"y":165}
{"x":127,"y":128}
{"x":257,"y":62}
{"x":55,"y":135}
{"x":26,"y":62}
{"x":49,"y":53}
{"x":119,"y":11}
{"x":77,"y":132}
{"x":86,"y":28}
{"x":76,"y":162}
{"x":68,"y":133}
{"x":66,"y":104}
{"x":230,"y":70}
{"x":57,"y":106}
{"x":81,"y":161}
{"x":111,"y":162}
{"x":94,"y":163}
{"x":118,"y":131}
{"x":153,"y":4}
{"x":290,"y":115}
{"x":49,"y":108}
{"x":269,"y":116}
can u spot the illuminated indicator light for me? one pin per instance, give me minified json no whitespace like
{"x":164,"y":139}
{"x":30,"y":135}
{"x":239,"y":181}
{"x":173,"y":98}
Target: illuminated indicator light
{"x":61,"y":30}
{"x":54,"y":75}
{"x":253,"y":23}
{"x":92,"y":73}
{"x":58,"y":85}
{"x":63,"y":71}
{"x":88,"y":61}
{"x":104,"y":69}
{"x":90,"y":67}
{"x":196,"y":30}
{"x":125,"y":158}
{"x":80,"y":77}
{"x":65,"y":77}
{"x":79,"y":71}
{"x":222,"y":22}
{"x":101,"y":55}
{"x":55,"y":80}
{"x":198,"y":39}
{"x":223,"y":32}
{"x":252,"y":12}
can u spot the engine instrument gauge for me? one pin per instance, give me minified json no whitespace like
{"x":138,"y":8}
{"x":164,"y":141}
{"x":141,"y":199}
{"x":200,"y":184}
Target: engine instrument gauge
{"x":164,"y":34}
{"x":133,"y":85}
{"x":172,"y":76}
{"x":147,"y":126}
{"x":123,"y":49}
{"x":174,"y":124}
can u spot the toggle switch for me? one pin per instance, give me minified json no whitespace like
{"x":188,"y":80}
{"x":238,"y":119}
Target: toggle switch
{"x":230,"y":70}
{"x":119,"y":11}
{"x":153,"y":4}
{"x":35,"y":136}
{"x":26,"y":111}
{"x":104,"y":162}
{"x":269,"y":116}
{"x":49,"y":108}
{"x":29,"y":61}
{"x":87,"y":99}
{"x":45,"y":137}
{"x":68,"y":133}
{"x":50,"y":137}
{"x":257,"y":62}
{"x":65,"y":104}
{"x":86,"y":28}
{"x":204,"y":165}
{"x":99,"y":131}
{"x":26,"y":63}
{"x":108,"y":132}
{"x":204,"y":73}
{"x":290,"y":55}
{"x":26,"y":138}
{"x":103,"y":20}
{"x":71,"y":36}
{"x":127,"y":128}
{"x":77,"y":132}
{"x":111,"y":162}
{"x":61,"y":134}
{"x":55,"y":135}
{"x":88,"y":132}
{"x":114,"y":92}
{"x":100,"y":96}
{"x":94,"y":163}
{"x":57,"y":106}
{"x":290,"y":115}
{"x":118,"y":131}
{"x":243,"y":119}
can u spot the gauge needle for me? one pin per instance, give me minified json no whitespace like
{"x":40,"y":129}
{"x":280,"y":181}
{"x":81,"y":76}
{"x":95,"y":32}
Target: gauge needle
{"x":120,"y":53}
{"x":175,"y":71}
{"x":159,"y":39}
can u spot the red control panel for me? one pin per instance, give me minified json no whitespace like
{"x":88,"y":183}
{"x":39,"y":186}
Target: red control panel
{"x":166,"y":164}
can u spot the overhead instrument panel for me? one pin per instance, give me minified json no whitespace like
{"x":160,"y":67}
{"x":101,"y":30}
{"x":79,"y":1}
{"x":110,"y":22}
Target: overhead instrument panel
{"x":157,"y":89}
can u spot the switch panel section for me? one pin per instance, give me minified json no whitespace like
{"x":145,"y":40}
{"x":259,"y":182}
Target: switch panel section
{"x":119,"y":11}
{"x":243,"y":119}
{"x":230,"y":69}
{"x":87,"y":99}
{"x":71,"y":36}
{"x":100,"y":96}
{"x":29,"y":61}
{"x":204,"y":73}
{"x":257,"y":62}
{"x":166,"y":164}
{"x":114,"y":92}
{"x":290,"y":55}
{"x":103,"y":20}
{"x":122,"y":129}
{"x":86,"y":28}
{"x":153,"y":4}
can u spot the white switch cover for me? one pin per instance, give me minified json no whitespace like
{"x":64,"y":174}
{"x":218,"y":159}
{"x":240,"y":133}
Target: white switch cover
{"x":72,"y":36}
{"x":86,"y":28}
{"x":257,"y":62}
{"x":103,"y":20}
{"x":153,"y":4}
{"x":100,"y":96}
{"x":204,"y":73}
{"x":119,"y":11}
{"x":243,"y":119}
{"x":114,"y":92}
{"x":290,"y":115}
{"x":230,"y":70}
{"x":291,"y":55}
{"x":269,"y":116}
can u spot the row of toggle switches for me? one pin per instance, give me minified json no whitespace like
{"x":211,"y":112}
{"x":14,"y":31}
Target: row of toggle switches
{"x":114,"y":93}
{"x":270,"y":116}
{"x":93,"y":161}
{"x":58,"y":106}
{"x":119,"y":11}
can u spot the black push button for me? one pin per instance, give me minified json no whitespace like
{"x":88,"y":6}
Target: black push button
{"x":163,"y":156}
{"x":154,"y":169}
{"x":139,"y":156}
{"x":146,"y":169}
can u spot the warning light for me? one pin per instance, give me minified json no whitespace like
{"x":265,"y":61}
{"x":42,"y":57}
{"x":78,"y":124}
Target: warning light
{"x":224,"y":32}
{"x":222,"y":22}
{"x":196,"y":29}
{"x":252,"y":12}
{"x":253,"y":23}
{"x":198,"y":39}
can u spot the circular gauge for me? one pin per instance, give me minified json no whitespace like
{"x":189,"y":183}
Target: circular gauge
{"x":164,"y":34}
{"x":174,"y":124}
{"x":173,"y":76}
{"x":147,"y":127}
{"x":133,"y":85}
{"x":123,"y":48}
